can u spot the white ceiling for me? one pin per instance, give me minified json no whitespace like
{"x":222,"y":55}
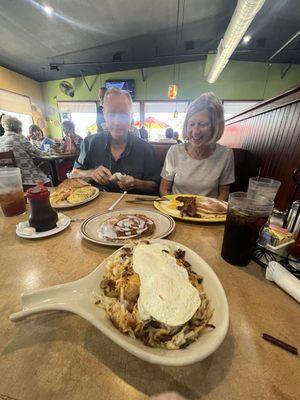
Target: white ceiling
{"x":140,"y":29}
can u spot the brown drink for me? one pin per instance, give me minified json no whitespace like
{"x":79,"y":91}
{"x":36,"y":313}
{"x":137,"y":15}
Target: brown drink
{"x":12,"y":203}
{"x":11,"y":191}
{"x":245,"y":218}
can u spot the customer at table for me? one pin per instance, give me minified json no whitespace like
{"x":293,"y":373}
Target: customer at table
{"x":200,"y":166}
{"x":23,"y":150}
{"x":36,"y":137}
{"x":71,"y":139}
{"x":169,"y":136}
{"x":116,"y":150}
{"x":176,"y":137}
{"x":1,"y":127}
{"x":144,"y":133}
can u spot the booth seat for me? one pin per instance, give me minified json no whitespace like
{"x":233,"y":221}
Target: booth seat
{"x":245,"y":164}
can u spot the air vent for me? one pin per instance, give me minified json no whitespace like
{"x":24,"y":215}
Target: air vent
{"x":190,"y":45}
{"x":260,"y":43}
{"x":117,"y":56}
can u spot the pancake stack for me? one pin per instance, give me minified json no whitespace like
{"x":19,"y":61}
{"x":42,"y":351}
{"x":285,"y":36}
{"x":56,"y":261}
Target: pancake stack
{"x":204,"y":207}
{"x":125,"y":227}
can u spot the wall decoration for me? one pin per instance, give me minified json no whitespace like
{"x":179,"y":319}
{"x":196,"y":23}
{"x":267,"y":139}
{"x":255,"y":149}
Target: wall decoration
{"x":50,"y":110}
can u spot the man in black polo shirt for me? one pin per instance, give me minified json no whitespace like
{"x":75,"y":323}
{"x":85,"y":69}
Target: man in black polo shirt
{"x":116,"y":150}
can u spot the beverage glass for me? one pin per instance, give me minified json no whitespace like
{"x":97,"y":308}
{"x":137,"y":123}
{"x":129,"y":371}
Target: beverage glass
{"x":263,"y":187}
{"x":11,"y":191}
{"x":246,"y":216}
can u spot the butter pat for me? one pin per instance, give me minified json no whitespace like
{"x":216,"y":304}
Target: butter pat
{"x":62,"y":220}
{"x":25,"y":229}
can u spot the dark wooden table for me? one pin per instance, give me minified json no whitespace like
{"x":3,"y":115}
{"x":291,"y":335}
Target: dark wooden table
{"x":53,"y":161}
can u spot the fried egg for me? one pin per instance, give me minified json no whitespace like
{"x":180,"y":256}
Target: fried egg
{"x":166,"y":293}
{"x":173,"y":204}
{"x":81,"y":194}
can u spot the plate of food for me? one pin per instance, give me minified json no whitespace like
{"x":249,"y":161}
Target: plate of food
{"x":192,"y":207}
{"x":73,"y":192}
{"x":157,"y":299}
{"x":115,"y":228}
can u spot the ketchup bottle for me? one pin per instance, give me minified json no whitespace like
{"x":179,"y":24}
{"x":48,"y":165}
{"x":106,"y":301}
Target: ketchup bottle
{"x":42,"y":216}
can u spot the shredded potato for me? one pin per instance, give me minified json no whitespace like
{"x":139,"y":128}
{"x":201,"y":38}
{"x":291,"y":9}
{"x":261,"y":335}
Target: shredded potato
{"x":121,"y":286}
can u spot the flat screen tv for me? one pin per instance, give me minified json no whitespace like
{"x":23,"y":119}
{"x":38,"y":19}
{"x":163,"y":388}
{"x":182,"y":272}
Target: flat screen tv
{"x":124,"y":84}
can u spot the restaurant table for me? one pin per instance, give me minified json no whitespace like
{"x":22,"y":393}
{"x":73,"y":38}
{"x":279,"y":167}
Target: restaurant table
{"x":53,"y":159}
{"x":58,"y":355}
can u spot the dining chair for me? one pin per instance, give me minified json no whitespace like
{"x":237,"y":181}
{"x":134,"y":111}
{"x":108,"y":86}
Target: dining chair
{"x":7,"y":159}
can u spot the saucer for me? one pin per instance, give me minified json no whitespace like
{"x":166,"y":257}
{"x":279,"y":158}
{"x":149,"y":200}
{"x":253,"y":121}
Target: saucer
{"x":39,"y":235}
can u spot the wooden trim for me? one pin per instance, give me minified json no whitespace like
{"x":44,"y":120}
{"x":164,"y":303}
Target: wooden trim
{"x":281,"y":100}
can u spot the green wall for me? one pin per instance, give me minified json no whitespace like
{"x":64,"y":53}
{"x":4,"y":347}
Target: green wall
{"x":239,"y":81}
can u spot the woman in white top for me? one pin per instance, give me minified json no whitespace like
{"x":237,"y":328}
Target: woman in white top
{"x":200,"y":165}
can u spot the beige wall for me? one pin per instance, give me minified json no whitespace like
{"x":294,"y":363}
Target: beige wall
{"x":20,"y":84}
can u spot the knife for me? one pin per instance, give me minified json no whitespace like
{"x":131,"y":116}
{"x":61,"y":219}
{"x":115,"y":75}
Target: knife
{"x":137,"y":199}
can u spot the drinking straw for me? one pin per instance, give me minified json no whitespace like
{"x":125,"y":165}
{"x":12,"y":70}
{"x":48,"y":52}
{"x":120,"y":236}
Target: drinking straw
{"x":280,"y":343}
{"x":258,"y":176}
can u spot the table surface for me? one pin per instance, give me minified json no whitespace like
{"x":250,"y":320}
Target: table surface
{"x":59,"y":355}
{"x":57,"y":156}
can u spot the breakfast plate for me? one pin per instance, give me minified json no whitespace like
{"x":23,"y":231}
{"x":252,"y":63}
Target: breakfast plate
{"x":66,"y":204}
{"x":78,"y":297}
{"x":91,"y":227}
{"x":65,"y":222}
{"x":169,"y":207}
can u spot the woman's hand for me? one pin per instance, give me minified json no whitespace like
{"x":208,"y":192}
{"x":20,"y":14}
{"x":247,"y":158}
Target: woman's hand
{"x":165,"y":187}
{"x":223,"y":192}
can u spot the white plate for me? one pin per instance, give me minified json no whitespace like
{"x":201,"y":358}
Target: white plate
{"x":77,"y":297}
{"x":164,"y":225}
{"x":39,"y":235}
{"x":65,"y":204}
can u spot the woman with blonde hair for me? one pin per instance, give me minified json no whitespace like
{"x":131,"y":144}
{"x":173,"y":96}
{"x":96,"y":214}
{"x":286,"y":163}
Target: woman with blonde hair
{"x":200,"y":165}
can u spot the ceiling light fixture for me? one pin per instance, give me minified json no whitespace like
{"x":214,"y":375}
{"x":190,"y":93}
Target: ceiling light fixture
{"x":243,"y":15}
{"x":246,"y":39}
{"x":48,"y":10}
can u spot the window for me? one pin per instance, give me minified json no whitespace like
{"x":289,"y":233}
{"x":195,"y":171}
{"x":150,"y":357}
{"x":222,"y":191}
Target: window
{"x":160,"y":115}
{"x":137,"y":113}
{"x":82,"y":113}
{"x":18,"y":106}
{"x":232,"y":108}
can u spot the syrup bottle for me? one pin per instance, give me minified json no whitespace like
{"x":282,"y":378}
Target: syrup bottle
{"x":42,"y":216}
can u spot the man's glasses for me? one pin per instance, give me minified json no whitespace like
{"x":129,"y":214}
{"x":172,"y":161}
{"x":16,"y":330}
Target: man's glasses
{"x":120,"y":117}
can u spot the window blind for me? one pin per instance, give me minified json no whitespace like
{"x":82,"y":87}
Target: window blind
{"x":15,"y":103}
{"x":77,"y":107}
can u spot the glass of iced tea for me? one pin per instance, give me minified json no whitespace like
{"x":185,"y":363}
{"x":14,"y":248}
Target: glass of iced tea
{"x":11,"y":191}
{"x":246,"y":216}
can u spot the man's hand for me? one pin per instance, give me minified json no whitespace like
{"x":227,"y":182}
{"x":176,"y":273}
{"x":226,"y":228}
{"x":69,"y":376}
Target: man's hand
{"x":101,"y":175}
{"x":127,"y":182}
